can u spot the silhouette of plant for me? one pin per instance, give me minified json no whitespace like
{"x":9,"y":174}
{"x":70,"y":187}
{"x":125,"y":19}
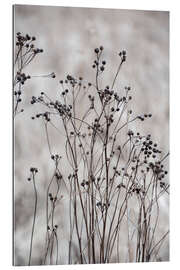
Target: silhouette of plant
{"x":111,"y":167}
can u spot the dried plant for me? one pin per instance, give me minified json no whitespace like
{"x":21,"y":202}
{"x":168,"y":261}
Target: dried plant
{"x":111,"y":168}
{"x":25,"y":53}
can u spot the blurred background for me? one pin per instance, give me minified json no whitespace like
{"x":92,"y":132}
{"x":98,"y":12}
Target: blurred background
{"x":68,"y":37}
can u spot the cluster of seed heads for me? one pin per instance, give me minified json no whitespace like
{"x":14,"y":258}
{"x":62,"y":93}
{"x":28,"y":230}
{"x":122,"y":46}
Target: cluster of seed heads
{"x":56,"y":158}
{"x":136,"y":188}
{"x":100,"y":65}
{"x":102,"y":206}
{"x":149,"y":148}
{"x":26,"y":42}
{"x":54,"y":228}
{"x":51,"y":198}
{"x":33,"y":171}
{"x":122,"y":54}
{"x":22,"y":77}
{"x":25,"y":52}
{"x":143,"y":117}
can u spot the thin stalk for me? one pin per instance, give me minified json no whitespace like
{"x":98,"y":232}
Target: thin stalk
{"x":34,"y":218}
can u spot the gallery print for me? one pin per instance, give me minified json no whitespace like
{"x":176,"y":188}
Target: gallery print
{"x":91,"y":135}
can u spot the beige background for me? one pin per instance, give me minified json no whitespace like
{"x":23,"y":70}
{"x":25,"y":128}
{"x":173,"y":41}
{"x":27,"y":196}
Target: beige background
{"x":68,"y":37}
